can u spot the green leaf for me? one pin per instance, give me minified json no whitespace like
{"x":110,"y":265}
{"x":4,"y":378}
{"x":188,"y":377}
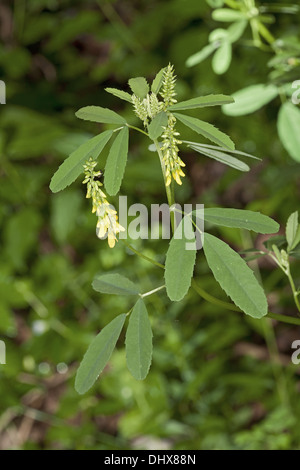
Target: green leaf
{"x":221,"y":157}
{"x":139,"y":87}
{"x":123,"y":95}
{"x":222,"y":58}
{"x":101,"y":115}
{"x":227,"y":15}
{"x":238,"y":218}
{"x":201,"y":102}
{"x":98,"y":354}
{"x":114,"y":284}
{"x":72,"y":167}
{"x":289,"y":129}
{"x":235,"y":277}
{"x":250,"y":99}
{"x":158,"y":81}
{"x":221,"y":149}
{"x":207,"y":130}
{"x":116,"y":163}
{"x":179,"y":262}
{"x":292,"y":231}
{"x":139,"y":342}
{"x":155,"y":128}
{"x":201,"y":55}
{"x":296,"y":239}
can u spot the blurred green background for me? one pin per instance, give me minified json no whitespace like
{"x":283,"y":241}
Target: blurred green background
{"x":219,"y":379}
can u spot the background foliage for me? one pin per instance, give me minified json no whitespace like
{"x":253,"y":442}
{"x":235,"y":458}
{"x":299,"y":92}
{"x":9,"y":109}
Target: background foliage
{"x":219,"y":379}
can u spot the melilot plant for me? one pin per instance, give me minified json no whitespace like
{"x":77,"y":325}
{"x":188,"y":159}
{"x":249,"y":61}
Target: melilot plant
{"x":159,"y":113}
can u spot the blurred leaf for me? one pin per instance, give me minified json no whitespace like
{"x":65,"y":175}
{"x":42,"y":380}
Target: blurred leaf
{"x":25,"y":123}
{"x":222,"y":58}
{"x":71,"y":27}
{"x":250,"y":99}
{"x":279,"y":8}
{"x":235,"y":277}
{"x":98,"y":354}
{"x":288,"y":129}
{"x":116,"y":162}
{"x":198,"y":57}
{"x":38,"y":27}
{"x":139,"y":342}
{"x":21,"y":236}
{"x":236,"y":30}
{"x":16,"y":61}
{"x":215,"y":3}
{"x":218,"y":35}
{"x":227,"y":15}
{"x":114,"y":284}
{"x":65,"y":214}
{"x":7,"y":321}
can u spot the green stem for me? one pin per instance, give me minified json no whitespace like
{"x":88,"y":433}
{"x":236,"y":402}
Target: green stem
{"x":292,"y":284}
{"x":287,"y":272}
{"x":150,"y":260}
{"x":213,"y":300}
{"x":234,"y":308}
{"x":152,"y":291}
{"x":137,"y":129}
{"x":265,"y":33}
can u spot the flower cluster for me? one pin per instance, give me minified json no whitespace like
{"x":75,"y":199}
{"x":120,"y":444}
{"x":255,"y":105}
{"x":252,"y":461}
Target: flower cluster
{"x":107,"y":216}
{"x":147,"y":108}
{"x":172,"y":161}
{"x":168,"y":87}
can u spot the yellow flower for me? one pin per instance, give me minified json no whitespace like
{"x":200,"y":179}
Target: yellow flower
{"x":107,"y":224}
{"x":107,"y":216}
{"x":172,"y":161}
